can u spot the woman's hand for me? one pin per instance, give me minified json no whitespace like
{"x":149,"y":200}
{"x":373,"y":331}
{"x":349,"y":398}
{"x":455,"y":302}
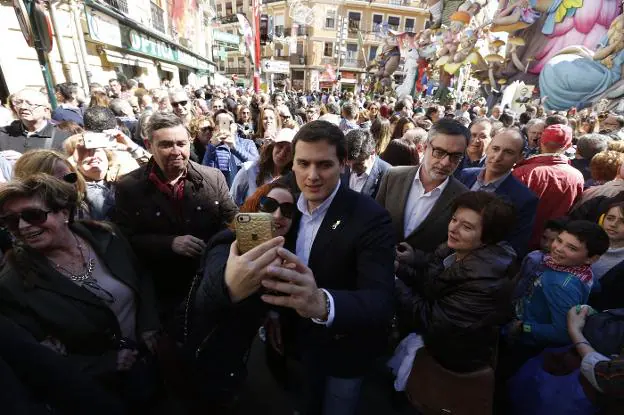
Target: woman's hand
{"x":126,"y":359}
{"x":150,"y":338}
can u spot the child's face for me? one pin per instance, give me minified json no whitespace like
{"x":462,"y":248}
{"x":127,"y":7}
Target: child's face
{"x":547,"y":239}
{"x":614,"y":225}
{"x":567,"y":250}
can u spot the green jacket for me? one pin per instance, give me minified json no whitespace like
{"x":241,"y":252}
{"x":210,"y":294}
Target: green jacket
{"x":48,"y":304}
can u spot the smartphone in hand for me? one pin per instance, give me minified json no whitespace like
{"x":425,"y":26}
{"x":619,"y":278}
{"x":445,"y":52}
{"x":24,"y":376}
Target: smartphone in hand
{"x":253,"y":229}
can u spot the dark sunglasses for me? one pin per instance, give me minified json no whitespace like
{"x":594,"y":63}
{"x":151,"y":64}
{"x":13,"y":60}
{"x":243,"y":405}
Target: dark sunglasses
{"x":177,"y":104}
{"x":270,"y":205}
{"x":71,"y":178}
{"x":33,"y":216}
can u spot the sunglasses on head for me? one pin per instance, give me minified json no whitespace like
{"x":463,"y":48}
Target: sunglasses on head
{"x":70,"y":178}
{"x":33,"y":216}
{"x":270,"y":205}
{"x":177,"y":104}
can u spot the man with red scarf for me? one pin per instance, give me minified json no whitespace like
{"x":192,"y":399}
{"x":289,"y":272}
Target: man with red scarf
{"x":170,"y":208}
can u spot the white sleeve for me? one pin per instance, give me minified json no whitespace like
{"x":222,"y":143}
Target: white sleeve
{"x":588,"y":366}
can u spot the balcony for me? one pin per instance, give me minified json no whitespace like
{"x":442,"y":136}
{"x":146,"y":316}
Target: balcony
{"x":301,"y":31}
{"x":236,"y":70}
{"x":158,"y":17}
{"x":297,"y":60}
{"x":352,"y":63}
{"x":328,"y":60}
{"x":121,"y":5}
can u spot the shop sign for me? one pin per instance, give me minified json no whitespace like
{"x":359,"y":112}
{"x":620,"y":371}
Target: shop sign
{"x":140,"y":42}
{"x":225,"y":37}
{"x":276,"y":66}
{"x":103,"y":28}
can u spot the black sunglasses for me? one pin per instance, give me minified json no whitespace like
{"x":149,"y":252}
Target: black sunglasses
{"x":270,"y":205}
{"x":33,"y":216}
{"x":177,"y":104}
{"x":71,"y":178}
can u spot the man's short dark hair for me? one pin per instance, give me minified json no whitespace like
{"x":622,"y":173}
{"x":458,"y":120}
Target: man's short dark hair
{"x":349,"y":110}
{"x":112,"y":80}
{"x":556,"y":119}
{"x":432,"y":110}
{"x":333,"y":108}
{"x":507,"y":118}
{"x":68,"y":90}
{"x":557,"y":224}
{"x":449,"y":126}
{"x":525,"y":117}
{"x":98,"y":119}
{"x":591,"y":234}
{"x":498,"y":216}
{"x":318,"y":130}
{"x":360,"y":144}
{"x":589,"y":145}
{"x":161,"y":120}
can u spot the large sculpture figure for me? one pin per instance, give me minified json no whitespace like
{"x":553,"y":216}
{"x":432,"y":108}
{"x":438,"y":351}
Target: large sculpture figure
{"x":577,"y":77}
{"x":386,"y":63}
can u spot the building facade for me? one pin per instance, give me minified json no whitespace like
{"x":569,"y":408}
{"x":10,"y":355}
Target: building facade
{"x":149,"y":40}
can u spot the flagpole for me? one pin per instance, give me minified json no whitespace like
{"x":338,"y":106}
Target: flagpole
{"x":256,"y":31}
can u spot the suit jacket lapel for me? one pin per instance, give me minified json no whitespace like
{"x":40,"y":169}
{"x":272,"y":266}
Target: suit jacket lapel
{"x":447,"y":196}
{"x":372,"y":179}
{"x":404,"y":191}
{"x":333,"y":222}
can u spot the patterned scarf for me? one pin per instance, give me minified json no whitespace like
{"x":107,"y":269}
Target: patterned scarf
{"x":582,"y":272}
{"x":175,"y":191}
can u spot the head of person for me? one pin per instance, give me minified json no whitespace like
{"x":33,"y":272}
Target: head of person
{"x":121,"y":108}
{"x":465,"y":106}
{"x":446,"y":144}
{"x":373,"y":110}
{"x":277,"y":199}
{"x":507,"y":118}
{"x":38,"y":209}
{"x":613,"y":223}
{"x":243,"y":114}
{"x":496,"y":111}
{"x":404,"y":108}
{"x":312,"y":113}
{"x":349,"y":111}
{"x":531,"y":110}
{"x":132,"y":84}
{"x":99,"y":99}
{"x":279,"y":99}
{"x":49,"y":162}
{"x":382,"y":133}
{"x":555,"y":119}
{"x":504,"y":151}
{"x":555,"y":138}
{"x":217,"y":104}
{"x":589,"y":145}
{"x":169,"y":142}
{"x":433,"y":113}
{"x":612,"y":123}
{"x":534,"y":129}
{"x":402,"y":126}
{"x":270,"y":122}
{"x":418,"y":136}
{"x":588,"y":124}
{"x":99,"y":119}
{"x":524,"y":118}
{"x":68,"y":92}
{"x":115,"y":86}
{"x":360,"y":150}
{"x":276,"y":156}
{"x":201,"y":129}
{"x":70,"y":127}
{"x":479,"y":219}
{"x":284,"y":113}
{"x":552,"y":229}
{"x":320,"y":152}
{"x":181,"y":104}
{"x":480,"y":137}
{"x":580,"y":243}
{"x":605,"y":165}
{"x":31,"y":107}
{"x":401,"y":152}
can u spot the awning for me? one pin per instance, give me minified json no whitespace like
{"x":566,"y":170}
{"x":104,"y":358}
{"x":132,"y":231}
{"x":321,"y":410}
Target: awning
{"x":167,"y":67}
{"x":127,"y":59}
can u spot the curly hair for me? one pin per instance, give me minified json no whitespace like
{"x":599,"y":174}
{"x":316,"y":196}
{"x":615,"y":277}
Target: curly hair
{"x":605,"y":165}
{"x":252,"y":204}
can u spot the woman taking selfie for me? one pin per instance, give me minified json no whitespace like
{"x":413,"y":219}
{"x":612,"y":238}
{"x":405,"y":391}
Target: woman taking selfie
{"x":224,"y":310}
{"x":77,"y":287}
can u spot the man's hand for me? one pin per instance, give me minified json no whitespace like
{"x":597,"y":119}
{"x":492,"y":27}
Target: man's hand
{"x":243,"y":273}
{"x":297,"y":281}
{"x":218,"y":138}
{"x":188,"y":245}
{"x":405,"y":253}
{"x":577,"y":316}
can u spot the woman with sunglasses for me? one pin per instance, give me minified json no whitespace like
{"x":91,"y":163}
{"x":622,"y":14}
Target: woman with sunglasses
{"x":77,"y":287}
{"x":224,"y":310}
{"x":245,"y":124}
{"x":201,"y":128}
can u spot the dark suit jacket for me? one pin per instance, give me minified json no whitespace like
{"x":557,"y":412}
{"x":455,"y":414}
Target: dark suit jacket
{"x":352,"y":258}
{"x":371,"y":186}
{"x":524,"y":200}
{"x":46,"y":303}
{"x":393,"y":194}
{"x":608,"y":293}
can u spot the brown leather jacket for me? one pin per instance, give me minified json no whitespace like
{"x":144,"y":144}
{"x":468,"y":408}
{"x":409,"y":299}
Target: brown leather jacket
{"x":458,"y":308}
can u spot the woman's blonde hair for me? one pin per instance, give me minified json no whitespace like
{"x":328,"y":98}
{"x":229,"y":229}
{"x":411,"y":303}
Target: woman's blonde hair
{"x":605,"y":165}
{"x":43,"y":161}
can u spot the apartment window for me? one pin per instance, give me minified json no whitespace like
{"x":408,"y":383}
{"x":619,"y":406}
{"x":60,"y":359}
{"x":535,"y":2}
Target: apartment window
{"x":278,"y":24}
{"x":228,"y":8}
{"x":394,"y":22}
{"x":120,"y":5}
{"x":241,"y":62}
{"x":409,"y":25}
{"x":372,"y":53}
{"x":330,"y":19}
{"x":377,"y":22}
{"x":300,"y":48}
{"x":328,"y":50}
{"x":354,"y":20}
{"x":158,"y":18}
{"x":352,"y":50}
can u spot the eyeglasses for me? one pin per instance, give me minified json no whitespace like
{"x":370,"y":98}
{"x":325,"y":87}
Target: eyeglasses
{"x":19,"y":102}
{"x":70,"y":178}
{"x":177,"y":104}
{"x":270,"y":205}
{"x":440,"y":154}
{"x":284,"y":116}
{"x":33,"y":216}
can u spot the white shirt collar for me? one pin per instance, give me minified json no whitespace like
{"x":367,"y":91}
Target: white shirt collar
{"x":367,"y":172}
{"x":302,"y":203}
{"x":440,"y":188}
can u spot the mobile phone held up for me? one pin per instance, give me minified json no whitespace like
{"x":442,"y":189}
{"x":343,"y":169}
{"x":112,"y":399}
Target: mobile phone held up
{"x":253,"y":229}
{"x":98,"y":140}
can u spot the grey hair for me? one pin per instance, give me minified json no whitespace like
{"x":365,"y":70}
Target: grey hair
{"x":589,"y":145}
{"x":161,"y":120}
{"x":535,"y":121}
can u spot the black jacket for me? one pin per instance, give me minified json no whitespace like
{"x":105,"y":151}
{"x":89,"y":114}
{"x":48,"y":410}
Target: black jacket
{"x":14,"y":137}
{"x":458,"y":309}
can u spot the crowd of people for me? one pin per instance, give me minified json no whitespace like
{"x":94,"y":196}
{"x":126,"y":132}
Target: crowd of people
{"x":426,"y":244}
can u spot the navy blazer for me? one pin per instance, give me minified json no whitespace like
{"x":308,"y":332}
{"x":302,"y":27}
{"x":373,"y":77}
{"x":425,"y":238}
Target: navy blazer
{"x":521,"y":197}
{"x":352,"y":257}
{"x":371,"y":186}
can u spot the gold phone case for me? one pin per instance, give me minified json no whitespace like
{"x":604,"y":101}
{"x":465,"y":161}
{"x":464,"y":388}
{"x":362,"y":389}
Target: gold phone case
{"x":253,"y":229}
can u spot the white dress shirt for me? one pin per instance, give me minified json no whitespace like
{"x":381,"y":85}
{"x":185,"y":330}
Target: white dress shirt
{"x":357,"y":182}
{"x":308,"y":228}
{"x":419,"y":203}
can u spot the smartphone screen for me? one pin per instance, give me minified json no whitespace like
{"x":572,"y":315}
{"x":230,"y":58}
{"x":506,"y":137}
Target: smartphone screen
{"x":97,"y":140}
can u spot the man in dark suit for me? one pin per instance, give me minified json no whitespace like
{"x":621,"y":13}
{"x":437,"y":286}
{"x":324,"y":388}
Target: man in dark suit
{"x":340,"y":282}
{"x":503,"y":153}
{"x":365,"y":169}
{"x":420,"y":198}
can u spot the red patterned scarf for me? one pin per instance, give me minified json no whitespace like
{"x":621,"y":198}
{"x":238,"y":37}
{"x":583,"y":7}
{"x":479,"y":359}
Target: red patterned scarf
{"x":175,"y":191}
{"x":582,"y":272}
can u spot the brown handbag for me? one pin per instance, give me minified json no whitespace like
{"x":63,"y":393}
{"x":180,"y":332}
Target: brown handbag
{"x":434,"y":390}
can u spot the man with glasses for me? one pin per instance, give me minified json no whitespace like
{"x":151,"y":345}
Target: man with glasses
{"x":420,"y":198}
{"x":181,"y":104}
{"x":32,"y":129}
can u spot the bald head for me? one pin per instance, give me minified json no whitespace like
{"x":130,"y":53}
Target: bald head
{"x":504,"y":151}
{"x":32,"y":108}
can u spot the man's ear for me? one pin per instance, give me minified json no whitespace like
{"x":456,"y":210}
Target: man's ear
{"x":592,"y":259}
{"x":148,"y":144}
